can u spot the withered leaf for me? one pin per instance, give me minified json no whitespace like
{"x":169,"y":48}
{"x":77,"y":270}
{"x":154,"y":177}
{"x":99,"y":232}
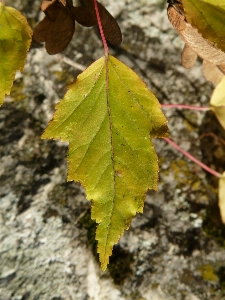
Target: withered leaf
{"x":63,"y":2}
{"x":57,"y":28}
{"x":86,"y":16}
{"x":222,"y":68}
{"x":110,"y":26}
{"x":177,"y":5}
{"x":212,"y":73}
{"x":202,"y":47}
{"x":188,"y":57}
{"x":50,"y":8}
{"x":46,"y":3}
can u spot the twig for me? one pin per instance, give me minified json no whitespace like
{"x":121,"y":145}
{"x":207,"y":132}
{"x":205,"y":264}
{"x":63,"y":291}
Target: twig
{"x":213,"y":172}
{"x":182,"y":106}
{"x":217,"y":140}
{"x":70,"y":62}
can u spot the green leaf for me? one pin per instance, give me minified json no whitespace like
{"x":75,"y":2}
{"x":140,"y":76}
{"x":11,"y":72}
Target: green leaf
{"x":222,"y":197}
{"x":15,"y":39}
{"x":217,"y":102}
{"x":108,"y":116}
{"x":207,"y":16}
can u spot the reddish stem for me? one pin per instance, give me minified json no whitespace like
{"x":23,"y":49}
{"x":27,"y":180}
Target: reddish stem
{"x":101,"y":29}
{"x":3,"y":2}
{"x":201,"y":108}
{"x":213,"y":172}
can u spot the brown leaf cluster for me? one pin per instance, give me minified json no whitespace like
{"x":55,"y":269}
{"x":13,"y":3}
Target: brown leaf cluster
{"x":195,"y":45}
{"x":58,"y":26}
{"x":86,"y":16}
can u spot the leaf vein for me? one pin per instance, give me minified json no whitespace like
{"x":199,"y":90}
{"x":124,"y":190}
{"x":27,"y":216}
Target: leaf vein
{"x":81,"y":102}
{"x":131,"y":93}
{"x":101,"y":175}
{"x":91,"y":142}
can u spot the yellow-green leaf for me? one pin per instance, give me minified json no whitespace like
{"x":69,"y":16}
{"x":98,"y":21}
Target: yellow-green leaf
{"x":109,"y":116}
{"x":222,"y":197}
{"x":217,"y":102}
{"x":15,"y":39}
{"x":207,"y":16}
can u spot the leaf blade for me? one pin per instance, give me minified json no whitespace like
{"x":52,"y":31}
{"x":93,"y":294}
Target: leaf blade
{"x":110,"y":152}
{"x":15,"y":40}
{"x":208,"y":17}
{"x":217,"y":102}
{"x":222,"y":197}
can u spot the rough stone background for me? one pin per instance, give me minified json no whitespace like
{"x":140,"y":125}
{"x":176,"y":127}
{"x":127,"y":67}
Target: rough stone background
{"x":176,"y":249}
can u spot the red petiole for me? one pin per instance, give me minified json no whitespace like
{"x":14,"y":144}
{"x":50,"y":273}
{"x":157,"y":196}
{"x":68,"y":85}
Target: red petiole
{"x":101,"y":29}
{"x":182,"y":106}
{"x":211,"y":171}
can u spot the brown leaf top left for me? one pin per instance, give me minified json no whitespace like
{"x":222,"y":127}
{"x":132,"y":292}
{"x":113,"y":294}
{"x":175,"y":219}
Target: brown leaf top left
{"x":57,"y":27}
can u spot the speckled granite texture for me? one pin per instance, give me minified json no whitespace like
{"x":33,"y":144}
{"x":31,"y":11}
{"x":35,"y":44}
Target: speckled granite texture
{"x":176,"y":249}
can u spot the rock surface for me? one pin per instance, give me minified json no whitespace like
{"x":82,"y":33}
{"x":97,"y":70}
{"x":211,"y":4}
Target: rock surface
{"x":176,"y":249}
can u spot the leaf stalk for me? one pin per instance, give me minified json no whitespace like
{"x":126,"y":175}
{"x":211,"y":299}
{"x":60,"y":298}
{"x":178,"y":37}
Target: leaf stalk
{"x":183,"y":106}
{"x":211,"y":171}
{"x":101,"y":29}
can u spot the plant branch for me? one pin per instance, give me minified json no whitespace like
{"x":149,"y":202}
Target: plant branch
{"x":183,"y":106}
{"x":70,"y":62}
{"x":211,"y":171}
{"x":101,"y":29}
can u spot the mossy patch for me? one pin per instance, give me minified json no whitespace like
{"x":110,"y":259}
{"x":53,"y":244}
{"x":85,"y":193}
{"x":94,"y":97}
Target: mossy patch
{"x":208,"y":273}
{"x":182,"y":173}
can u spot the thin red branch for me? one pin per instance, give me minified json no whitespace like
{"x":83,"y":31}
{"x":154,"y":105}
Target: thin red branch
{"x":101,"y":29}
{"x":211,"y":171}
{"x":217,"y":140}
{"x":183,"y":106}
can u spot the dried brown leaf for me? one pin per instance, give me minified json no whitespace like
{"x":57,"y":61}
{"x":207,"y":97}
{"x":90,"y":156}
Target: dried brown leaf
{"x":86,"y":16}
{"x":51,"y":9}
{"x":177,"y":4}
{"x":46,"y":4}
{"x":205,"y":49}
{"x":188,"y":57}
{"x":110,"y":26}
{"x":211,"y":72}
{"x":57,"y":28}
{"x":63,"y":2}
{"x":222,"y":68}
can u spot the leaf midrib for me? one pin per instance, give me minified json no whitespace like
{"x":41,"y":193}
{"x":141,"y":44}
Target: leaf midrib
{"x":112,"y":152}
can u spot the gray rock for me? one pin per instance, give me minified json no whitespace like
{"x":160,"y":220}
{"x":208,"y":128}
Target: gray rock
{"x":175,"y":249}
